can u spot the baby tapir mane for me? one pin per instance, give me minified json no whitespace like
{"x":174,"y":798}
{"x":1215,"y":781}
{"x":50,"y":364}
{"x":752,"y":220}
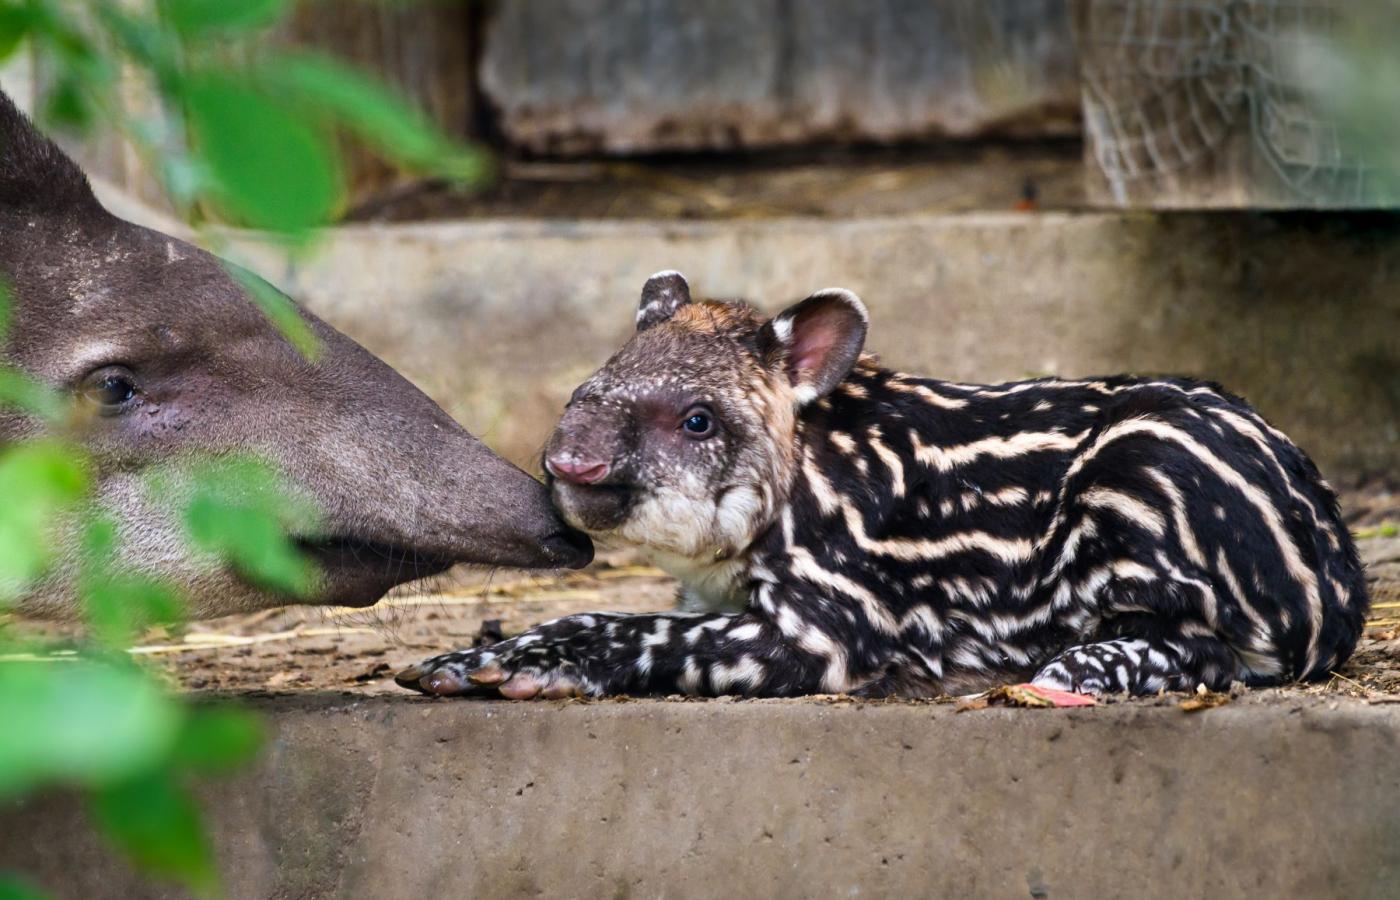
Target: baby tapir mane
{"x":1117,"y":534}
{"x":714,"y":317}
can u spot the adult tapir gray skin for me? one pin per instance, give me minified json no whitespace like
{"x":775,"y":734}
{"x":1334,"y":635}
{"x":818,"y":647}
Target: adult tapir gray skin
{"x":170,"y":357}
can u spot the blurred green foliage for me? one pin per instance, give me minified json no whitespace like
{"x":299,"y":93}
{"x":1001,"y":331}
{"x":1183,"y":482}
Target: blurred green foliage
{"x":1351,"y":70}
{"x":237,"y":113}
{"x":246,"y":130}
{"x":238,"y":511}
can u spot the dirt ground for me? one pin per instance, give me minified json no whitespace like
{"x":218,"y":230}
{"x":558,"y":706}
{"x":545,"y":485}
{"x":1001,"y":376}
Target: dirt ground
{"x":357,"y":651}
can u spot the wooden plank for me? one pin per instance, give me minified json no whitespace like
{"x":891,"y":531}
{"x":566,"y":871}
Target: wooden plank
{"x":573,"y":77}
{"x":424,"y":48}
{"x":1204,"y":104}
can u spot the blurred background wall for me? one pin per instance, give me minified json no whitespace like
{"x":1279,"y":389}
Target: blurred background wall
{"x":1016,"y":187}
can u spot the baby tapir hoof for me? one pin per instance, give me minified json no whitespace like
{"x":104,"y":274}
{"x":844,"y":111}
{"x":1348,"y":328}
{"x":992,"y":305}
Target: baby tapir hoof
{"x":448,"y":677}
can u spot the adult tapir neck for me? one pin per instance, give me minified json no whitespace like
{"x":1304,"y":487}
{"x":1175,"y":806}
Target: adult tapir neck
{"x":168,"y":357}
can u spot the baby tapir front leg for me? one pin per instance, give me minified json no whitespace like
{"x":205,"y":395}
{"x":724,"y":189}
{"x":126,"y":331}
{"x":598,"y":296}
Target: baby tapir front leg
{"x":655,"y":654}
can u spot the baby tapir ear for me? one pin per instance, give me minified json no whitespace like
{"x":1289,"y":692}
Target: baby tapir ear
{"x":663,"y":294}
{"x":823,"y":336}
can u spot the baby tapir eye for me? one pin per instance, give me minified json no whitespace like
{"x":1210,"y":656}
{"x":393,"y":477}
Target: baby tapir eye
{"x":698,"y":424}
{"x":109,"y":390}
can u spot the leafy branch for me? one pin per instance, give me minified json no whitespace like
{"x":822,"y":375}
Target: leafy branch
{"x":245,"y":132}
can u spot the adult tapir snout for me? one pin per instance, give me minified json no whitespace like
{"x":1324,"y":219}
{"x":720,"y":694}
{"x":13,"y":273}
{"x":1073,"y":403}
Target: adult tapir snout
{"x":392,"y":469}
{"x":179,"y":360}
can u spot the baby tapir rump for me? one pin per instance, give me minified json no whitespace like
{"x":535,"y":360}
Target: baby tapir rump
{"x":167,"y":356}
{"x":881,"y":533}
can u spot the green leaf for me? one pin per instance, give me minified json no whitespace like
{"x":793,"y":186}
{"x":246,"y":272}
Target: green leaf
{"x":251,"y":541}
{"x":13,"y":888}
{"x":82,"y":722}
{"x":16,"y":22}
{"x":68,"y":106}
{"x":272,"y":168}
{"x":379,"y":115}
{"x":220,"y":739}
{"x":71,"y":51}
{"x":118,"y":607}
{"x":149,"y":47}
{"x":242,"y":512}
{"x":280,"y":310}
{"x":156,"y":824}
{"x":194,"y":17}
{"x":39,"y":482}
{"x":20,"y":391}
{"x":120,"y":604}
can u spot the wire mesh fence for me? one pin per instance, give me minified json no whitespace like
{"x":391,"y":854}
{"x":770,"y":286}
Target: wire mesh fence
{"x":1172,"y":86}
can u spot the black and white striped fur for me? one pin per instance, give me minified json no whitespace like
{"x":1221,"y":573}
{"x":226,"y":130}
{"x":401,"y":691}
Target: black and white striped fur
{"x":851,"y":528}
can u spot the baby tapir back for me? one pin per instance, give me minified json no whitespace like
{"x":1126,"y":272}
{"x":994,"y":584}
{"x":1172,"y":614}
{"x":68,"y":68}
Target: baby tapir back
{"x":887,"y":533}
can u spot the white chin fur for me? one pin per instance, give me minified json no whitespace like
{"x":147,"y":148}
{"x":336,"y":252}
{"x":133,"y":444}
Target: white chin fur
{"x":698,"y":541}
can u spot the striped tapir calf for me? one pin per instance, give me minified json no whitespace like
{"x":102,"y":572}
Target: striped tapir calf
{"x":838,"y":526}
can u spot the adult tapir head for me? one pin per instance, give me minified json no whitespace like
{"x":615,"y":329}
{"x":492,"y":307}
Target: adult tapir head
{"x":173,"y":359}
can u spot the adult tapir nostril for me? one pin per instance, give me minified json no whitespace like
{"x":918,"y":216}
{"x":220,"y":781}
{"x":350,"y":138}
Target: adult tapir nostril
{"x":577,"y":471}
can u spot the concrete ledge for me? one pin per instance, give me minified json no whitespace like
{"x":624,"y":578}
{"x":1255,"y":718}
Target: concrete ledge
{"x":1276,"y":795}
{"x":499,"y":320}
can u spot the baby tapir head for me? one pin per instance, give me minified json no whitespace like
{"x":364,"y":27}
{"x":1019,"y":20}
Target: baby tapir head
{"x":684,"y":440}
{"x":169,"y":357}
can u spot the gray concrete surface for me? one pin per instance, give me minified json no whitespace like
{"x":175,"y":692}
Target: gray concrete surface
{"x":499,"y":320}
{"x":402,"y":798}
{"x":641,"y":76}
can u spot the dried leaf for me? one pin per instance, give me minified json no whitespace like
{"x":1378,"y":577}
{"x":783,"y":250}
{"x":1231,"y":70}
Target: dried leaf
{"x":1204,"y":699}
{"x":1030,"y":695}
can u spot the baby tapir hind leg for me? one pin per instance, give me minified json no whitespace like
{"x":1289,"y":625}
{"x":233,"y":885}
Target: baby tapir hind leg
{"x":1146,"y":556}
{"x":1139,"y":666}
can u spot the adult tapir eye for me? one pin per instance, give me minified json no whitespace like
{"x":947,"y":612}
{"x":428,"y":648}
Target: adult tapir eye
{"x":109,"y":390}
{"x":698,"y":423}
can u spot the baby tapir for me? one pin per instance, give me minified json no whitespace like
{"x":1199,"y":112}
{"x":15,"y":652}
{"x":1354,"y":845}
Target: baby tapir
{"x":167,"y":356}
{"x":851,"y":528}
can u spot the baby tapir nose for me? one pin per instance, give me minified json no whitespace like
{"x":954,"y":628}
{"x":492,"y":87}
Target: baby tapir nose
{"x":576,"y":470}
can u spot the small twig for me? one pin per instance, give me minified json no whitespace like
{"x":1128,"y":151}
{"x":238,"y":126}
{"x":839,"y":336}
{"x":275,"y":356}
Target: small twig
{"x":56,"y":656}
{"x":642,"y":572}
{"x":1359,"y":686}
{"x":217,"y":641}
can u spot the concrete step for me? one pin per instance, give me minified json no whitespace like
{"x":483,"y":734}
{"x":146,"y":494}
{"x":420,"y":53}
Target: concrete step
{"x":499,"y":320}
{"x":389,"y":798}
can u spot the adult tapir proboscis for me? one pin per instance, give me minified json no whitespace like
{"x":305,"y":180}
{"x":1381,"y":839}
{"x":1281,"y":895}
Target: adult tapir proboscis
{"x":171,"y":358}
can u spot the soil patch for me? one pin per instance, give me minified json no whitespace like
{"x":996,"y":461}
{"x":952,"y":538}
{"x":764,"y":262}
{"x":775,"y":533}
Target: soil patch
{"x":297,"y":649}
